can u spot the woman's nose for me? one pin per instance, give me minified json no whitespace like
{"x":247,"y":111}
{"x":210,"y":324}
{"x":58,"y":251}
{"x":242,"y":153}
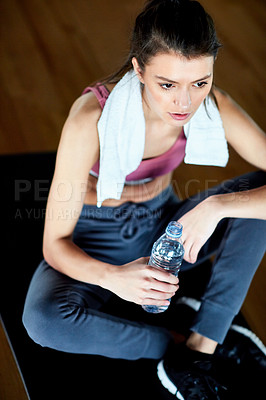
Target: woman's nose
{"x":183,"y":99}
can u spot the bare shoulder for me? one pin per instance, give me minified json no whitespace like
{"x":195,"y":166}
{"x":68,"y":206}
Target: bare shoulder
{"x":232,"y":114}
{"x":80,"y":128}
{"x":241,"y":130}
{"x":230,"y":110}
{"x":84,"y":115}
{"x":225,"y":102}
{"x":79,"y":147}
{"x":85,"y":110}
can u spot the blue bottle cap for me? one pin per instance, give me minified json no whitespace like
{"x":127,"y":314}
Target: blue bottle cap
{"x":174,"y":229}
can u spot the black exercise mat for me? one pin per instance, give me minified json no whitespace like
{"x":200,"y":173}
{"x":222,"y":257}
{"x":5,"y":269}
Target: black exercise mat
{"x":50,"y":374}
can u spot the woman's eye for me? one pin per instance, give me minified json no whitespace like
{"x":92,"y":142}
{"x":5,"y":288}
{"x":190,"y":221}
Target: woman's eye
{"x":166,"y":85}
{"x":200,"y":84}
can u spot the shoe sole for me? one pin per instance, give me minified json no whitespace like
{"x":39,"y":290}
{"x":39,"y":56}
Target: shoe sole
{"x":166,"y":382}
{"x":251,"y":335}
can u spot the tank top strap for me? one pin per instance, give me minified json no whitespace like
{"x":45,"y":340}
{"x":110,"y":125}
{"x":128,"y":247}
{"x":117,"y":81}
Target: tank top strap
{"x":101,"y":92}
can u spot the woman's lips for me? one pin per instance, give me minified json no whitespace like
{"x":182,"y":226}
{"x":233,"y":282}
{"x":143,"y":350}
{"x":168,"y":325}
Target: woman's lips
{"x":179,"y":117}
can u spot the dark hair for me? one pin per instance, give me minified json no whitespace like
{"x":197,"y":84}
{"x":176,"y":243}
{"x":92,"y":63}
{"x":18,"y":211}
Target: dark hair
{"x":182,"y":26}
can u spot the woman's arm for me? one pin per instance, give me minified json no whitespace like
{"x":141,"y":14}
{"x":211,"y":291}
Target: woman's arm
{"x":200,"y":222}
{"x":250,"y":142}
{"x":244,"y":204}
{"x":243,"y":134}
{"x":78,"y":151}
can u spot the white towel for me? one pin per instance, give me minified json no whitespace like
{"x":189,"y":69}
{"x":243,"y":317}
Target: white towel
{"x":206,"y":142}
{"x":121,"y":129}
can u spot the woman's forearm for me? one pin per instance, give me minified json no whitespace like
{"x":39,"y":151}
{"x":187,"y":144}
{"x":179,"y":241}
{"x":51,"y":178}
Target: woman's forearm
{"x":244,"y":204}
{"x":67,"y":258}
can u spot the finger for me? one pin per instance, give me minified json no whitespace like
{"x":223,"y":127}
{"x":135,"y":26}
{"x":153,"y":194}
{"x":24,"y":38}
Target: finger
{"x":154,"y":294}
{"x":157,"y":295}
{"x":193,"y":252}
{"x":163,"y":287}
{"x":163,"y":276}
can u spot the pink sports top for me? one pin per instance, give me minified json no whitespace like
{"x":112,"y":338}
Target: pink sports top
{"x":151,"y":167}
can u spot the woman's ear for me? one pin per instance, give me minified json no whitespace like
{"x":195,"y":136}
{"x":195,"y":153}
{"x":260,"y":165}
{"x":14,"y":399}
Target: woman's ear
{"x":137,"y":69}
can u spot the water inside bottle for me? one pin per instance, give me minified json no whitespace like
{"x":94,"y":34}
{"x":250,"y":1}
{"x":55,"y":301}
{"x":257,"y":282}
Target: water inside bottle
{"x":167,"y":254}
{"x":167,"y":267}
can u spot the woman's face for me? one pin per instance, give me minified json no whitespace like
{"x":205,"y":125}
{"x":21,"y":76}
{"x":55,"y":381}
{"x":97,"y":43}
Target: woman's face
{"x":174,"y":86}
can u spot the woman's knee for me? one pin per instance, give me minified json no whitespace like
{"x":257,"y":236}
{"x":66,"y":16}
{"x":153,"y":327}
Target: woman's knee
{"x":38,"y":321}
{"x":51,"y":319}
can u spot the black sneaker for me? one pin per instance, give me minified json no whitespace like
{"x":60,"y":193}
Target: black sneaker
{"x":244,"y":347}
{"x":248,"y":360}
{"x":189,"y":378}
{"x":241,"y":345}
{"x":243,"y":355}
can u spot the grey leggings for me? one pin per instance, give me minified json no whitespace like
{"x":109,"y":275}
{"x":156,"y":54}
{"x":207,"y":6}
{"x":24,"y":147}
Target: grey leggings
{"x":75,"y":317}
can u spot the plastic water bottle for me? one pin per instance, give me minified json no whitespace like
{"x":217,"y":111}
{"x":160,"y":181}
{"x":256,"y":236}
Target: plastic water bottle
{"x":167,"y":253}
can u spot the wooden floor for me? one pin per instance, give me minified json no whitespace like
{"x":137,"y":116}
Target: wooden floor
{"x":11,"y":383}
{"x":51,"y":50}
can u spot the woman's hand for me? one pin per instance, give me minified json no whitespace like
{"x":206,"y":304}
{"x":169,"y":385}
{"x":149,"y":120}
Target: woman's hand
{"x":198,"y":225}
{"x":141,"y":283}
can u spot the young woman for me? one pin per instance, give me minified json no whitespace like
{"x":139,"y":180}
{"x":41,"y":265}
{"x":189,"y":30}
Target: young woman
{"x":93,"y":255}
